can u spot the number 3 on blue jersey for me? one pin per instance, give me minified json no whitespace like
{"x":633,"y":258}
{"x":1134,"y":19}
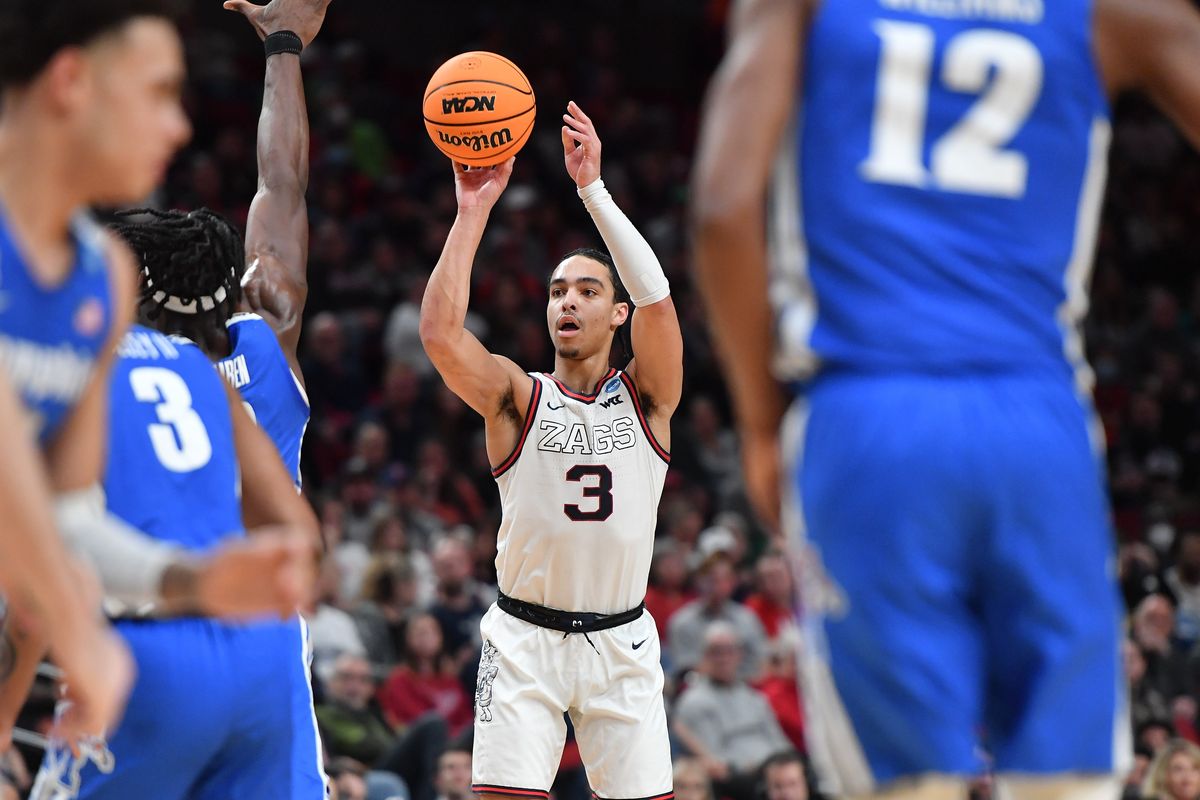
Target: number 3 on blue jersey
{"x":179,"y":437}
{"x":1004,"y":69}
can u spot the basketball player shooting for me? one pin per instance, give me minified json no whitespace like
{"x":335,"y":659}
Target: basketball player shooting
{"x":933,"y":220}
{"x":580,"y":456}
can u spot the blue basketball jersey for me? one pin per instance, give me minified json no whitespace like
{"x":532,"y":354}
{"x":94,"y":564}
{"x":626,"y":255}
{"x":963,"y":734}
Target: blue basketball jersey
{"x":935,"y":210}
{"x":259,"y":370}
{"x":172,"y":467}
{"x":51,"y":336}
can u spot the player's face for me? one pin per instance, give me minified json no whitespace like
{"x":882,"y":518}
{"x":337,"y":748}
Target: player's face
{"x":581,"y":313}
{"x":128,"y":117}
{"x":786,"y":782}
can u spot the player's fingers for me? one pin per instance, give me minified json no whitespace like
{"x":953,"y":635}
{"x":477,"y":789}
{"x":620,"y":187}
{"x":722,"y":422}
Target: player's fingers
{"x":582,"y":138}
{"x":574,"y":108}
{"x":577,"y":124}
{"x":568,"y":143}
{"x":240,"y":6}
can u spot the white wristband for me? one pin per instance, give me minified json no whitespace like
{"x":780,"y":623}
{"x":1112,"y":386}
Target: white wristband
{"x":130,"y":563}
{"x":636,"y":263}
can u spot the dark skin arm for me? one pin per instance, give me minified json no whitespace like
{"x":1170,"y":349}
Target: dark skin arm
{"x":756,"y":80}
{"x":276,"y":283}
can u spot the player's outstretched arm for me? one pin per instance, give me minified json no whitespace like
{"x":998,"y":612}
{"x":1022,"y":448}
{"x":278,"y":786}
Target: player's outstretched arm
{"x":657,"y":341}
{"x":276,"y":282}
{"x":1153,"y":46}
{"x":492,"y":385}
{"x":749,"y":104}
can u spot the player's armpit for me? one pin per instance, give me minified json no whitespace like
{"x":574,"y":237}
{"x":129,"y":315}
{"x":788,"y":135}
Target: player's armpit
{"x":1168,"y":70}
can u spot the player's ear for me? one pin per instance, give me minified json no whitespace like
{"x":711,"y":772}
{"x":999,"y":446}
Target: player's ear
{"x":67,"y":80}
{"x":620,"y":314}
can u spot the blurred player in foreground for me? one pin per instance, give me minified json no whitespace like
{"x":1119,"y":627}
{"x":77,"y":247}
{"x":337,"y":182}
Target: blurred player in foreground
{"x":91,"y":114}
{"x":580,"y":457}
{"x":938,"y":174}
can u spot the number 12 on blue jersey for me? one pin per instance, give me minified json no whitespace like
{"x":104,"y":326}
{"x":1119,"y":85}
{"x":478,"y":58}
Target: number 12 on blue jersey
{"x":1004,"y":69}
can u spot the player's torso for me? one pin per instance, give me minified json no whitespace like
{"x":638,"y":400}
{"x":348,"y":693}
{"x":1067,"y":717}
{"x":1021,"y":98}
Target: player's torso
{"x":580,"y":499}
{"x":950,"y":158}
{"x":172,"y":470}
{"x":259,"y":370}
{"x":50,"y":337}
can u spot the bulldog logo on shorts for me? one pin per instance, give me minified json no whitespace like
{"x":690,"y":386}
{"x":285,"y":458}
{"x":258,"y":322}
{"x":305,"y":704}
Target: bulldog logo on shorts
{"x":488,"y":669}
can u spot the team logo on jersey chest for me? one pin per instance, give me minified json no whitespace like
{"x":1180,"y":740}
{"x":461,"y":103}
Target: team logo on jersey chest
{"x":580,"y":439}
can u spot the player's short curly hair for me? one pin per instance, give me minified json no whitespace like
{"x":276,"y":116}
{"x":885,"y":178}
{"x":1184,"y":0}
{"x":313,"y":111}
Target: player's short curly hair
{"x":192,"y":261}
{"x":32,"y":31}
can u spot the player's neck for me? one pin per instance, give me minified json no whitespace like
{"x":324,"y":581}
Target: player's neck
{"x":39,"y":191}
{"x":581,"y":375}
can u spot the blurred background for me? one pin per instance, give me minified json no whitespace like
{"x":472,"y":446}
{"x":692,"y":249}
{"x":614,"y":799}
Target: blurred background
{"x":395,"y":464}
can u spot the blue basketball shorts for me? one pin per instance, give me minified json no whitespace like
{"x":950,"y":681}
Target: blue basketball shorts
{"x":956,"y":559}
{"x":218,"y":711}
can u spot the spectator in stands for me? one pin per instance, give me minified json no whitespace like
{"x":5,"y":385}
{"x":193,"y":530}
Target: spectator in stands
{"x":668,"y":590}
{"x":1142,"y":758}
{"x":1175,"y":774}
{"x":349,"y":779}
{"x":1166,"y":668}
{"x":691,"y":780}
{"x":331,"y":631}
{"x":784,"y":777}
{"x":389,"y":596}
{"x":781,"y":687}
{"x":454,"y":774}
{"x":333,"y":377}
{"x":717,"y":582}
{"x":459,"y":601}
{"x":363,"y":502}
{"x":1146,"y":701}
{"x":425,"y":681}
{"x":725,"y":723}
{"x":349,"y":726}
{"x":774,"y":599}
{"x":1183,"y":581}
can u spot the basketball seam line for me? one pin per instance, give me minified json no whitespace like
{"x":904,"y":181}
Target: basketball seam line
{"x":479,"y":80}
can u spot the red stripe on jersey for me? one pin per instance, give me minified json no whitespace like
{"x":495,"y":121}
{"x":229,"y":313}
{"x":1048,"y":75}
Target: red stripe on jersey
{"x":637,"y":406}
{"x":534,"y":396}
{"x":484,"y":788}
{"x":587,"y":398}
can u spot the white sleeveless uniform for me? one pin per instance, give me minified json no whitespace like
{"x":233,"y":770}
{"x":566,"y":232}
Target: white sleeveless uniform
{"x":580,"y":496}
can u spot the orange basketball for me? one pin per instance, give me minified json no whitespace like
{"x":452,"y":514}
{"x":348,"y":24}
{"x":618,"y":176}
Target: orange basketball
{"x":479,"y":108}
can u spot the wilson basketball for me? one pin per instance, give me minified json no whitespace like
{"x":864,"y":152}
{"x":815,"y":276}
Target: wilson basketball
{"x":479,"y":108}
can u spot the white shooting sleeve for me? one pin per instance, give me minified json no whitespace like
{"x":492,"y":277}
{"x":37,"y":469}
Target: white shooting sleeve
{"x":636,"y":263}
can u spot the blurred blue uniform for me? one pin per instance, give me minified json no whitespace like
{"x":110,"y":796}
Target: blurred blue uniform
{"x":933,"y":224}
{"x":50,"y":337}
{"x":259,"y":370}
{"x":218,"y":710}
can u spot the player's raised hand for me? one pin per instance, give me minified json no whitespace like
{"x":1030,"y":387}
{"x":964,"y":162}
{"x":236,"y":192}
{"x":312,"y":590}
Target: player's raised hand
{"x":267,"y":573}
{"x":481,"y":187}
{"x":302,"y":17}
{"x":581,"y":146}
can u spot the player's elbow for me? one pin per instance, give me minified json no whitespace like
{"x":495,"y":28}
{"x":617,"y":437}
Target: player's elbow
{"x":717,"y":213}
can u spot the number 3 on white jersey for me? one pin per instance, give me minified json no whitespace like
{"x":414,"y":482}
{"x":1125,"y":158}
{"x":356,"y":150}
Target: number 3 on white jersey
{"x":970,"y":157}
{"x":179,"y":437}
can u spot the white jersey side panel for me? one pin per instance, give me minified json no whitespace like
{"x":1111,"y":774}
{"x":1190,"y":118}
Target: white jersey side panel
{"x":580,"y":499}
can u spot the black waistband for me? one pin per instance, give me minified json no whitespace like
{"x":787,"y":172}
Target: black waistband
{"x":566,"y":621}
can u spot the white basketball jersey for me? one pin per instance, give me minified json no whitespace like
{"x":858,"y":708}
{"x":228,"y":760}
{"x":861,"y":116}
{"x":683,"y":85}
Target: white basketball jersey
{"x":580,"y":496}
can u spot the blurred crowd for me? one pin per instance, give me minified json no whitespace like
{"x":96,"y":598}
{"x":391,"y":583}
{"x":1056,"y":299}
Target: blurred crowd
{"x":395,"y":465}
